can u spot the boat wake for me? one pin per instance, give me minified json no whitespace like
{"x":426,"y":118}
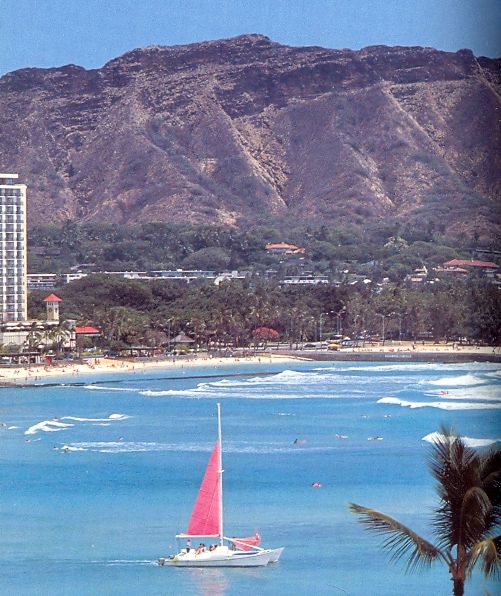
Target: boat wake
{"x":148,"y":446}
{"x":115,"y":562}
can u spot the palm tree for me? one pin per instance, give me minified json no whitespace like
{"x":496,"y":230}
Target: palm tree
{"x":466,"y":519}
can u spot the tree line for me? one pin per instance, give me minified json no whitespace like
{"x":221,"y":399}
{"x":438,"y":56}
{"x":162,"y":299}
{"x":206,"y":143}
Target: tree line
{"x":132,"y":312}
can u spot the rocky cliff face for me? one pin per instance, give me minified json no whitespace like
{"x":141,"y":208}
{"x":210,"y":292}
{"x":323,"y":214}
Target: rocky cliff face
{"x":245,"y":128}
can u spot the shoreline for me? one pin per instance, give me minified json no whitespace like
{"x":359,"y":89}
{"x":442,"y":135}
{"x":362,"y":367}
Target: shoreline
{"x":13,"y":376}
{"x":25,"y":376}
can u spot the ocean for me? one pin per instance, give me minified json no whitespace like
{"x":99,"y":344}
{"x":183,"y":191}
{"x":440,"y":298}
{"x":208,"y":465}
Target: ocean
{"x":97,"y":477}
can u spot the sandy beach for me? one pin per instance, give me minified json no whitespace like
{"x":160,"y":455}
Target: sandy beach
{"x":100,"y":365}
{"x":22,"y":374}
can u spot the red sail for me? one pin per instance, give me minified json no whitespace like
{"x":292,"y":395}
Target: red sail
{"x":204,"y":519}
{"x":247,"y":543}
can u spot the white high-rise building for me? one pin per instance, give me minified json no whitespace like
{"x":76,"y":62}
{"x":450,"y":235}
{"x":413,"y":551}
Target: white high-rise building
{"x":13,"y":264}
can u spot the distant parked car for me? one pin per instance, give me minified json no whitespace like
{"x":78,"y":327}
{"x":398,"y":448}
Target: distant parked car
{"x":348,"y":343}
{"x":333,"y":346}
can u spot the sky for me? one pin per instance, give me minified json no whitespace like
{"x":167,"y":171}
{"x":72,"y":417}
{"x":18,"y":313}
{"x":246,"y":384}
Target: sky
{"x":49,"y":33}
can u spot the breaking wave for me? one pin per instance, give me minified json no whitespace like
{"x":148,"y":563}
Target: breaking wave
{"x":436,"y":437}
{"x":464,"y":380}
{"x":47,"y":426}
{"x":442,"y":405}
{"x":110,"y":417}
{"x":485,"y":392}
{"x":55,"y":424}
{"x":107,"y":388}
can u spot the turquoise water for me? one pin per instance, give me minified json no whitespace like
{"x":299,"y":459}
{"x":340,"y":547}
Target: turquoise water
{"x":90,"y":500}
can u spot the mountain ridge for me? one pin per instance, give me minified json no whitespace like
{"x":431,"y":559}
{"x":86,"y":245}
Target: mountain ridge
{"x":244,"y":129}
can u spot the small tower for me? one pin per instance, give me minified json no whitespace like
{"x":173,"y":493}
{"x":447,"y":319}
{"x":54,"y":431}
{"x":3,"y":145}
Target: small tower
{"x":52,"y":302}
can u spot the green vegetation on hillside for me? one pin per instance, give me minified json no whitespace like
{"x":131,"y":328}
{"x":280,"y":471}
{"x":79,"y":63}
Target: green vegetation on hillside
{"x":378,"y":251}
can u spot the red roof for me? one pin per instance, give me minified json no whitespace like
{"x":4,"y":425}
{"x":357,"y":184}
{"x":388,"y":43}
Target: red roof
{"x":284,"y":246}
{"x":87,"y":331}
{"x":280,"y":245}
{"x":470,"y":263}
{"x":52,"y":298}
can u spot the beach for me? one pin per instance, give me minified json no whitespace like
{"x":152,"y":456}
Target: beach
{"x":392,"y":350}
{"x":98,"y":366}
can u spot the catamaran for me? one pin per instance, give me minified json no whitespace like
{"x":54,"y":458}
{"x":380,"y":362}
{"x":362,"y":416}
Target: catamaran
{"x":206,"y":523}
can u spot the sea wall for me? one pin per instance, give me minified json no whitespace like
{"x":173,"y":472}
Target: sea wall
{"x":372,"y":356}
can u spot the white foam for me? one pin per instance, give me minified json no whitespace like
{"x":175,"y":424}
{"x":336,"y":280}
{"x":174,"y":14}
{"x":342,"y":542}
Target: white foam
{"x":110,"y":417}
{"x":484,"y":392}
{"x":48,"y":426}
{"x":388,"y":367}
{"x":66,"y":448}
{"x":467,"y":380}
{"x":116,"y":562}
{"x":470,"y":441}
{"x":496,"y":374}
{"x":452,"y":405}
{"x":55,"y":425}
{"x":108,"y":388}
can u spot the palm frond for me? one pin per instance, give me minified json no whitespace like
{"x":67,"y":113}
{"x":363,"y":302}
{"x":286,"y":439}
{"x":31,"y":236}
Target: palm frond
{"x":475,"y":511}
{"x":456,"y":468}
{"x":400,"y":540}
{"x":489,"y":553}
{"x":490,"y":474}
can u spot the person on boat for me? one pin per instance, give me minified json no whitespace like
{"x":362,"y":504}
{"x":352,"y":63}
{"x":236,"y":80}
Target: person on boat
{"x":188,"y":545}
{"x":212,"y":547}
{"x":200,"y":549}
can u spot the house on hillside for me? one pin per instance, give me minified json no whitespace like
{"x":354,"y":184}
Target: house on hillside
{"x":464,"y":267}
{"x":282,"y":248}
{"x":418,"y":277}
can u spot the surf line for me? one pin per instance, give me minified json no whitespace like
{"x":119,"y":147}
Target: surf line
{"x":136,"y":380}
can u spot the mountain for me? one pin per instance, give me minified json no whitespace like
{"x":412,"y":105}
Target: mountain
{"x":245,"y":129}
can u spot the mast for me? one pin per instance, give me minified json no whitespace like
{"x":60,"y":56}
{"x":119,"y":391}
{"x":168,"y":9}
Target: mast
{"x":221,"y":533}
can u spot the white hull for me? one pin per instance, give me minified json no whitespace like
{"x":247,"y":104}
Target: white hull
{"x":220,"y":557}
{"x":275,"y":554}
